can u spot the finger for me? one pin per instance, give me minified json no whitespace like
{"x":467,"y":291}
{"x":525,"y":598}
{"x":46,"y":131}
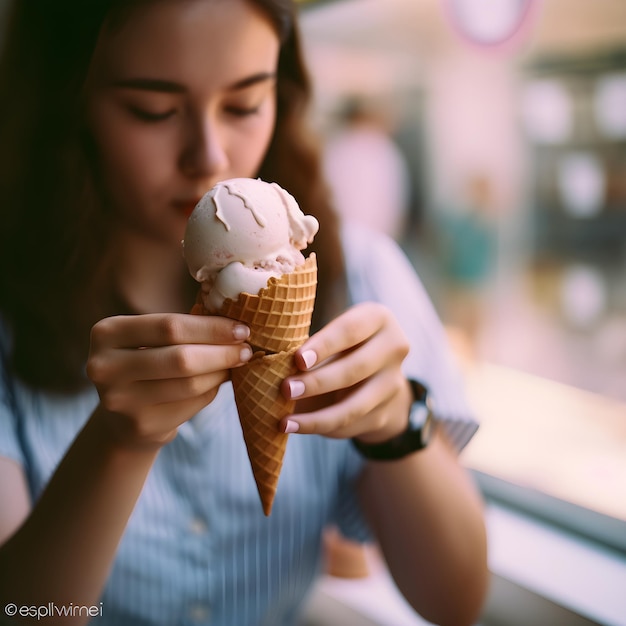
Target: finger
{"x":177,"y":361}
{"x":151,"y":393}
{"x":345,"y":332}
{"x":349,"y":369}
{"x":159,"y":426}
{"x":341,"y":373}
{"x":360,"y":411}
{"x":185,"y":409}
{"x":156,"y":329}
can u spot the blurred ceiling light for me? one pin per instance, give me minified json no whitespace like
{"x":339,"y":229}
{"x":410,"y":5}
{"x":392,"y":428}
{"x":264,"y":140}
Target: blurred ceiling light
{"x":582,"y":184}
{"x":547,"y":111}
{"x":489,"y":22}
{"x":609,"y":105}
{"x":583,"y":295}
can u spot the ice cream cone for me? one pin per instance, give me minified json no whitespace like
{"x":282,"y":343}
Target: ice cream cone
{"x":279,"y":318}
{"x":261,"y":406}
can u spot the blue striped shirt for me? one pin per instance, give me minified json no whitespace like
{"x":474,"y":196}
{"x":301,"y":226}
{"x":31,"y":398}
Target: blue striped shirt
{"x":198,"y":549}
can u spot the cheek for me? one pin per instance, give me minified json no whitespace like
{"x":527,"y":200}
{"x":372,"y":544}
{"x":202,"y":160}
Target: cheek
{"x":254,"y":145}
{"x":270,"y":126}
{"x":129,"y":158}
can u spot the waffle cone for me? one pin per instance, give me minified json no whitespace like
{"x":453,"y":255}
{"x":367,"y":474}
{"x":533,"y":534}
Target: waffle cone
{"x":279,"y":316}
{"x":261,"y":406}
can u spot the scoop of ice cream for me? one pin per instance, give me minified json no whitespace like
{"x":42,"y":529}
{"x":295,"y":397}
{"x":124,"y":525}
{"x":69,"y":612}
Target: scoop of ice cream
{"x":243,"y":232}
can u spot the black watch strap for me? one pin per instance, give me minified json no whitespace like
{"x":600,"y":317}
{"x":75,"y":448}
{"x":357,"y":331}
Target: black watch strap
{"x":415,"y":437}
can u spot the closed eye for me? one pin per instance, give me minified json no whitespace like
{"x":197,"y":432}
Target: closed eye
{"x":152,"y":116}
{"x":242,"y":111}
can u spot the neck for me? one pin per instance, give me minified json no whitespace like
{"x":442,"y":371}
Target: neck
{"x":152,"y":276}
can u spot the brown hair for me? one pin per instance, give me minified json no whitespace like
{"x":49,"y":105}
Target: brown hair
{"x":55,"y":252}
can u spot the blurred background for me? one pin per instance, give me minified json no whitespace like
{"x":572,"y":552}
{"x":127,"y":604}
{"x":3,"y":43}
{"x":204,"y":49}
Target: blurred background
{"x":496,"y":132}
{"x":525,"y":140}
{"x":509,"y":190}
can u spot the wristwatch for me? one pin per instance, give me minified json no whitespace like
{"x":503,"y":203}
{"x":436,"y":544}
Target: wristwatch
{"x":416,"y":437}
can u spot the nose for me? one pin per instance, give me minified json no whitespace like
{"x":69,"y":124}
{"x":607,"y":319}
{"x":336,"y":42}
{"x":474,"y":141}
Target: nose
{"x":204,"y":152}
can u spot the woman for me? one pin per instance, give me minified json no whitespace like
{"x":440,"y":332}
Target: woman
{"x":124,"y":485}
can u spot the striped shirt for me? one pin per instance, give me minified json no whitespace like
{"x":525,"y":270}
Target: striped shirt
{"x":198,"y":549}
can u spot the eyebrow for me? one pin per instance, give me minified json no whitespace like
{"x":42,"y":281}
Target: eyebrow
{"x":168,"y":86}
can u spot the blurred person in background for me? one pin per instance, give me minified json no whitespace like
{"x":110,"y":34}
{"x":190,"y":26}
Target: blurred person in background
{"x":367,"y":172}
{"x":124,"y":479}
{"x":467,"y":240}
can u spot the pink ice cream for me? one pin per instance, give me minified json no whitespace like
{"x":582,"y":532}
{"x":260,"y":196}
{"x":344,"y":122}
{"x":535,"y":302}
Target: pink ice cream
{"x":243,"y":232}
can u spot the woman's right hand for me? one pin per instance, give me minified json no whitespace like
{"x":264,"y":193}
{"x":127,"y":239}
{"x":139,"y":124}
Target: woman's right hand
{"x":153,"y":372}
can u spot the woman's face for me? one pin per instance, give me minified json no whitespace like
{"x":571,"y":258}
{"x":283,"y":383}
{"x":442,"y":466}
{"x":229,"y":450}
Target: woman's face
{"x":180,"y":96}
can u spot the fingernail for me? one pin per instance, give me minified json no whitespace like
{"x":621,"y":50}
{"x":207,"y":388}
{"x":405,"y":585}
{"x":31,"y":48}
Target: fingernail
{"x":309,"y":357}
{"x":296,"y":388}
{"x":292,"y":427}
{"x":240,"y":331}
{"x":245,"y":354}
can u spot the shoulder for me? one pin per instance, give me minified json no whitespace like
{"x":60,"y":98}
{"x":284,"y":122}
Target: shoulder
{"x":377,"y":267}
{"x":10,"y":448}
{"x":366,"y":247}
{"x":36,"y":426}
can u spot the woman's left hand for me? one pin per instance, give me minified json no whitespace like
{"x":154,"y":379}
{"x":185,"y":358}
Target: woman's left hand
{"x":424,"y":509}
{"x":351,"y":383}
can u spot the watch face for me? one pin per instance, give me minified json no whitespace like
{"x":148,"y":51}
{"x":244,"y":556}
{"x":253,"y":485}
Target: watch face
{"x":428,"y":429}
{"x":418,"y":416}
{"x":422,"y":420}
